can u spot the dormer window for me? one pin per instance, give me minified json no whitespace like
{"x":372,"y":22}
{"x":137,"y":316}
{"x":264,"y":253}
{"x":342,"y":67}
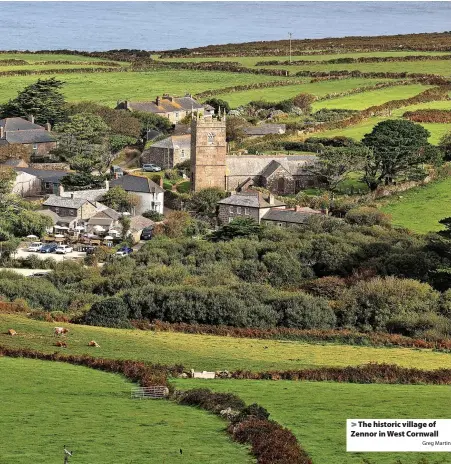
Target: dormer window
{"x":210,"y":138}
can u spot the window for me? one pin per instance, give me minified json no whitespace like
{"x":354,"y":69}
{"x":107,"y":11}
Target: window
{"x":210,"y":138}
{"x":35,"y":147}
{"x":230,"y":219}
{"x":71,"y":212}
{"x":280,"y":224}
{"x":57,"y":210}
{"x":182,"y":154}
{"x":238,"y":210}
{"x":176,"y":115}
{"x":246,"y":211}
{"x":48,"y":185}
{"x":231,"y":209}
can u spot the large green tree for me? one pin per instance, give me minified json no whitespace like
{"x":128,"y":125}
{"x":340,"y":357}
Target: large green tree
{"x":397,"y":148}
{"x":42,"y":99}
{"x":204,"y":203}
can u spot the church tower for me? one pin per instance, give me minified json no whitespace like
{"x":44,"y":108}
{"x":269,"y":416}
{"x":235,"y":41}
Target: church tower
{"x":208,"y":152}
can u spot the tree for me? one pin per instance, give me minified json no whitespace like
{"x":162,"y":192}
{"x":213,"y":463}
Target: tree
{"x":234,"y":128}
{"x":304,"y":102}
{"x":397,"y":147}
{"x":217,"y":103}
{"x":120,"y":200}
{"x":111,"y":312}
{"x":153,"y":121}
{"x":445,"y":146}
{"x":334,"y":164}
{"x":82,"y":181}
{"x":239,"y":227}
{"x":14,"y":151}
{"x":125,"y":222}
{"x":42,"y":99}
{"x":204,"y":202}
{"x":7,"y":176}
{"x":86,"y":127}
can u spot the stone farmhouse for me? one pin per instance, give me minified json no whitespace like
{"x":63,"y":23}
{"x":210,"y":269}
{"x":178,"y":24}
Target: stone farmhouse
{"x":212,"y":167}
{"x":173,"y":108}
{"x":31,"y":182}
{"x":37,"y":138}
{"x":262,"y":209}
{"x":168,"y":152}
{"x":79,"y":208}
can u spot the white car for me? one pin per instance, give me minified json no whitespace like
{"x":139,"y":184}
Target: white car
{"x":63,"y":249}
{"x":35,"y":246}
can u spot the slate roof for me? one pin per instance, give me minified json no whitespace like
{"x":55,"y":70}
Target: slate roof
{"x":140,"y":222}
{"x":271,"y":168}
{"x":165,"y":105}
{"x":19,"y":130}
{"x":55,"y":217}
{"x":15,"y":162}
{"x":176,"y":141}
{"x":63,"y":202}
{"x":256,"y":165}
{"x":43,"y":174}
{"x":90,"y":195}
{"x":136,"y":184}
{"x":107,"y":213}
{"x":265,"y":129}
{"x":286,"y":215}
{"x":250,"y":199}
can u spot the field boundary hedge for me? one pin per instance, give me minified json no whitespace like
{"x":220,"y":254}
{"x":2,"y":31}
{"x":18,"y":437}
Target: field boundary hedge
{"x":347,"y":337}
{"x":29,"y":72}
{"x":364,"y":374}
{"x":270,"y":442}
{"x":429,"y":115}
{"x":362,"y":59}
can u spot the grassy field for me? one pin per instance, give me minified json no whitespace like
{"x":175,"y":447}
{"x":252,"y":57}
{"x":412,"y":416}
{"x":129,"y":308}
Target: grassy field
{"x":359,"y":130}
{"x":421,"y":208}
{"x":205,"y":352}
{"x":107,"y":88}
{"x":364,"y":100}
{"x":46,"y":405}
{"x":281,"y":93}
{"x":34,"y":57}
{"x":316,"y":412}
{"x":46,"y":67}
{"x":441,"y":67}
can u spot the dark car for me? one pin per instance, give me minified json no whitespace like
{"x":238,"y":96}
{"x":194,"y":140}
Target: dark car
{"x":89,"y":250}
{"x":124,"y":251}
{"x":146,"y":233}
{"x":49,"y":248}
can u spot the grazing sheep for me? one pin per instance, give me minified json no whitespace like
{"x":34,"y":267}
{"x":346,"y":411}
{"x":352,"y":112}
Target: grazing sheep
{"x":93,"y":343}
{"x":12,"y":332}
{"x":61,"y":331}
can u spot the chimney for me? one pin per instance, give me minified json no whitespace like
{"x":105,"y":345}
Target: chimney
{"x":31,"y":118}
{"x":160,"y":182}
{"x":2,"y":132}
{"x":72,"y":196}
{"x":271,"y":199}
{"x":157,"y":101}
{"x":48,"y":127}
{"x":107,"y":185}
{"x":60,"y":190}
{"x":297,"y":208}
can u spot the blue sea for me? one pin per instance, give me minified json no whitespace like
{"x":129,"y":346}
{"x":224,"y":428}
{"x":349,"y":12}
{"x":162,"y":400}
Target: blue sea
{"x":168,"y":25}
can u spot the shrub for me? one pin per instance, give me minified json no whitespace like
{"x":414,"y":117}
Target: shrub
{"x":111,"y":312}
{"x":367,"y":216}
{"x":153,"y":215}
{"x":210,"y":401}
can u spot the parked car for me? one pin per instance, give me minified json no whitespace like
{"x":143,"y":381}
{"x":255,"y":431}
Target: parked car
{"x":63,"y":249}
{"x":146,"y":233}
{"x":49,"y":248}
{"x":124,"y":251}
{"x":151,"y":168}
{"x":116,"y":171}
{"x":89,"y":250}
{"x":38,"y":274}
{"x":35,"y":246}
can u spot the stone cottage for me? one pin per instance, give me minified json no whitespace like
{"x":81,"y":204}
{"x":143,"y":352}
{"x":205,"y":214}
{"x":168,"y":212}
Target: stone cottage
{"x":168,"y":152}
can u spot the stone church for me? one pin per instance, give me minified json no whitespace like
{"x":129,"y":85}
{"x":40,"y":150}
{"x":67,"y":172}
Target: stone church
{"x":212,"y":167}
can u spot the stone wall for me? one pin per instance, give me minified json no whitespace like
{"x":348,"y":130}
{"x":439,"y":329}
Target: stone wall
{"x":224,"y":213}
{"x":50,"y":166}
{"x":162,"y":157}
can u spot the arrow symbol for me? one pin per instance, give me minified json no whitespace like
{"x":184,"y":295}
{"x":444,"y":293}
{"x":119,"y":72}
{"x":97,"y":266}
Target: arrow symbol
{"x":353,"y":424}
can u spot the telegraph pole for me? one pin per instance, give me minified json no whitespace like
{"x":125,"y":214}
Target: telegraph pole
{"x":290,"y":34}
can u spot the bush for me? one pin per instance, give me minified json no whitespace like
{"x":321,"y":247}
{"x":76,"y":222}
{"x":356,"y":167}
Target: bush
{"x":367,"y":216}
{"x":111,"y":312}
{"x":374,"y":303}
{"x":153,"y":215}
{"x":210,"y":401}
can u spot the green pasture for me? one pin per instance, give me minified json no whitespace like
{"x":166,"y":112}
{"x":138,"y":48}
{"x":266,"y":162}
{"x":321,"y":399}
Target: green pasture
{"x":46,"y":405}
{"x":421,"y":208}
{"x":275,"y":94}
{"x":360,"y":101}
{"x":252,"y":60}
{"x":46,"y":67}
{"x":357,"y":131}
{"x":316,"y":412}
{"x":441,"y":67}
{"x":206,"y":352}
{"x":433,"y":105}
{"x":107,"y":88}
